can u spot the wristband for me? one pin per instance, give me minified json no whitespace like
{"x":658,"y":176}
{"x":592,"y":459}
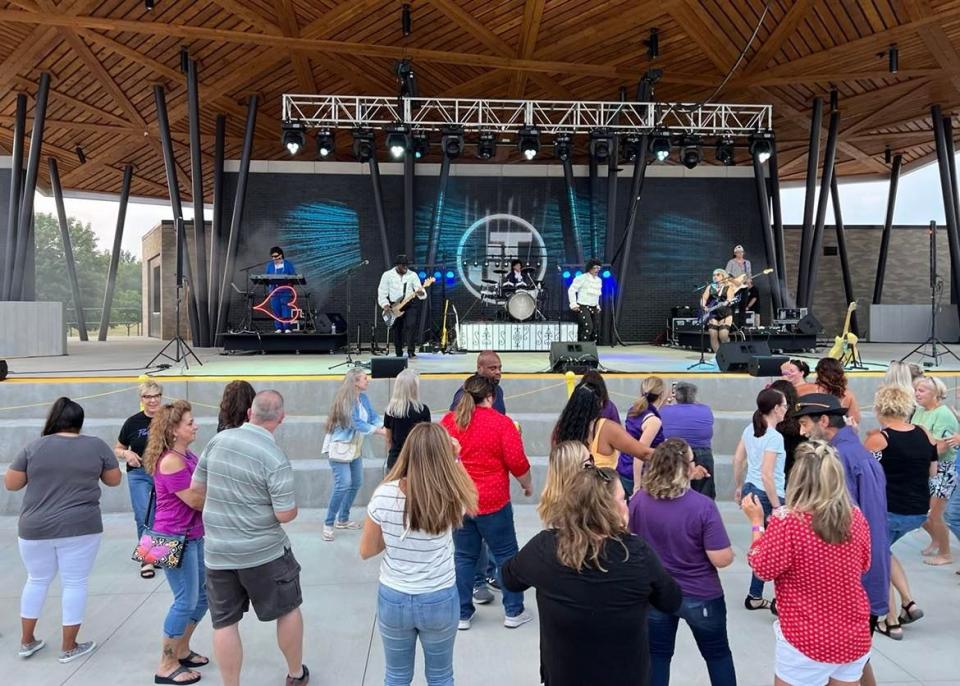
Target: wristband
{"x":757,"y":528}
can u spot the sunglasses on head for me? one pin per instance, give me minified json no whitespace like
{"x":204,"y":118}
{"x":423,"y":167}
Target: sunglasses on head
{"x":589,"y":464}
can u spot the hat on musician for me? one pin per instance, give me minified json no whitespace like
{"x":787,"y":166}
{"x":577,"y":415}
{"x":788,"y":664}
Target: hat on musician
{"x":737,"y":249}
{"x":401,"y":259}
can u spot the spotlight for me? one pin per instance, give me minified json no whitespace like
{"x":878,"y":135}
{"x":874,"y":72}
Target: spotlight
{"x":184,"y":59}
{"x":653,"y":44}
{"x":148,"y":5}
{"x":437,"y":275}
{"x":423,"y":275}
{"x":406,"y":78}
{"x":577,"y":273}
{"x":421,"y":144}
{"x":452,"y":142}
{"x":450,"y":275}
{"x":599,"y":145}
{"x":631,"y":148}
{"x":761,"y":147}
{"x":325,"y":144}
{"x":606,"y":274}
{"x":660,"y":147}
{"x":691,"y":154}
{"x":887,"y":154}
{"x":834,"y":100}
{"x":566,"y":273}
{"x":293,"y":136}
{"x":529,"y":142}
{"x":397,"y":143}
{"x":363,"y":146}
{"x":893,"y":56}
{"x":83,"y":158}
{"x":724,"y":154}
{"x":562,"y":147}
{"x":406,"y":20}
{"x":486,"y":146}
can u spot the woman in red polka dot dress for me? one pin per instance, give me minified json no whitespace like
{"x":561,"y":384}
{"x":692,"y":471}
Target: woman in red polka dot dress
{"x":816,"y":547}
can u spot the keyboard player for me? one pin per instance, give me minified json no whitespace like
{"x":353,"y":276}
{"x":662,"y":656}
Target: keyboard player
{"x":280,"y":299}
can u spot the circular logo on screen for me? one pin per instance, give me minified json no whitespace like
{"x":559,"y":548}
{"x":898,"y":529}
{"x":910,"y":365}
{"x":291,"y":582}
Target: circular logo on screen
{"x":488,"y":246}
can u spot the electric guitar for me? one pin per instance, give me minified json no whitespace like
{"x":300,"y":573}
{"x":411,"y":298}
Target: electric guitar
{"x":845,"y":345}
{"x":443,"y":334}
{"x":395,"y":311}
{"x":739,"y":283}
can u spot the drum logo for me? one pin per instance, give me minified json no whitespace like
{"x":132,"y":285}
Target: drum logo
{"x":488,"y":245}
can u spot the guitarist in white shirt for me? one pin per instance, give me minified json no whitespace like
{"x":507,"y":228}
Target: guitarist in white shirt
{"x":395,"y":285}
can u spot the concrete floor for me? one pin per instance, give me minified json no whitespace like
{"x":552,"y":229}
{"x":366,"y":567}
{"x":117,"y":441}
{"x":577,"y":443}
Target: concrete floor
{"x":343,"y":648}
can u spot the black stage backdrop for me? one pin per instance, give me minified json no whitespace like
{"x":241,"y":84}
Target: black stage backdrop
{"x":327,"y":224}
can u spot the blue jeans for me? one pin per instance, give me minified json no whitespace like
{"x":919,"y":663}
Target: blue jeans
{"x":756,"y":584}
{"x":951,"y":514}
{"x":486,"y":569}
{"x":403,"y":618}
{"x":899,"y":525}
{"x":280,"y":305}
{"x":347,"y":479}
{"x":707,"y":620}
{"x":496,"y":529}
{"x":189,"y":591}
{"x":140,"y":484}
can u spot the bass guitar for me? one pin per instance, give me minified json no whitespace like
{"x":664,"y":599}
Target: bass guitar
{"x":396,"y":310}
{"x":845,"y":345}
{"x":739,"y":283}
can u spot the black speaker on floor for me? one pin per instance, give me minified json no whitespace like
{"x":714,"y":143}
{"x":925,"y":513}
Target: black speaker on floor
{"x":574,"y":357}
{"x":4,"y":369}
{"x":387,"y":367}
{"x":735,"y":356}
{"x":809,"y":326}
{"x":766,"y":366}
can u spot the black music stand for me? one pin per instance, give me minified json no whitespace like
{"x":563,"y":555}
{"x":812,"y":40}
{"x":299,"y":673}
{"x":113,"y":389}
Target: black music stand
{"x":181,"y":351}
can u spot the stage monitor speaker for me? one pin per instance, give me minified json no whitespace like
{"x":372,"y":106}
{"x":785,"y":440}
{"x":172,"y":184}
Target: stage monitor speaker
{"x":809,"y":326}
{"x":761,"y":365}
{"x":387,"y":367}
{"x":575,"y":357}
{"x":735,"y":356}
{"x":4,"y":369}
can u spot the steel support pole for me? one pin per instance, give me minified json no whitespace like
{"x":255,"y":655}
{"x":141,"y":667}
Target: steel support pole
{"x":952,"y":157}
{"x":767,"y":230}
{"x":13,"y":213}
{"x":381,"y":214}
{"x":622,"y":256}
{"x":949,"y":211}
{"x":216,"y":224}
{"x":571,"y":192}
{"x":845,"y":272}
{"x":806,"y":235}
{"x":816,"y":247}
{"x":887,"y":229}
{"x":115,"y":255}
{"x":435,"y":228}
{"x":613,"y":167}
{"x":230,"y":259}
{"x":25,"y":220}
{"x":773,"y":166}
{"x":67,"y":248}
{"x":409,"y":204}
{"x":594,"y":207}
{"x":199,"y":227}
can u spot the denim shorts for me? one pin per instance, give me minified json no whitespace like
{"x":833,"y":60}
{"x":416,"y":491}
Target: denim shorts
{"x":899,"y":525}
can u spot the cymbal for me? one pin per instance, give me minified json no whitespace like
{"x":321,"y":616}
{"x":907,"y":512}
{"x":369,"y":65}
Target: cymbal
{"x":490,"y":281}
{"x":499,"y":271}
{"x":526,"y":270}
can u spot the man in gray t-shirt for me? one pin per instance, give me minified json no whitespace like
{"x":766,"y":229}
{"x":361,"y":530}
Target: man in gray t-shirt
{"x":248,"y":482}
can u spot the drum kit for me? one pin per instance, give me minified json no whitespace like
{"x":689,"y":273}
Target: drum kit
{"x":519,"y":302}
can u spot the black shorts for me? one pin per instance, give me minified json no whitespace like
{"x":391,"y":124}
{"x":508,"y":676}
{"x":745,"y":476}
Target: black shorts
{"x":273,"y":589}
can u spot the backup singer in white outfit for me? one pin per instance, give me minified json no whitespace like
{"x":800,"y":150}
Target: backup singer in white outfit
{"x":584,"y":294}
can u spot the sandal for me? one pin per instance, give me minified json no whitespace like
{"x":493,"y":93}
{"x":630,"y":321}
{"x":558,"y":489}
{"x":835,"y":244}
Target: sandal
{"x":894,"y":631}
{"x":752,"y":603}
{"x":171,"y":678}
{"x":194,"y":660}
{"x":147,"y":571}
{"x":910,"y":613}
{"x":301,"y":680}
{"x":773,"y":608}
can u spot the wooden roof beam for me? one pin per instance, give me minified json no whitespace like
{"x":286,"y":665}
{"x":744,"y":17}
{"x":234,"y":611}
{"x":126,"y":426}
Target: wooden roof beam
{"x":252,"y":17}
{"x":774,"y":43}
{"x":301,"y":63}
{"x":833,"y":77}
{"x":529,"y":32}
{"x":21,"y":83}
{"x":894,"y":101}
{"x":936,"y":40}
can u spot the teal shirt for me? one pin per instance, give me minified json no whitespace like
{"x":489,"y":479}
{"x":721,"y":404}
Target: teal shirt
{"x":941,"y":423}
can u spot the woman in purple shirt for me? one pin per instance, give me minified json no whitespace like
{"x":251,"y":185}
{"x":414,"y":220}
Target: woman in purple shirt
{"x":594,"y":379}
{"x":645,"y":425}
{"x":685,"y":529}
{"x":178,"y":511}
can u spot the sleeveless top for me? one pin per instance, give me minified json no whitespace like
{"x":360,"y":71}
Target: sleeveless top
{"x":634,"y":427}
{"x":606,"y":460}
{"x":906,"y":464}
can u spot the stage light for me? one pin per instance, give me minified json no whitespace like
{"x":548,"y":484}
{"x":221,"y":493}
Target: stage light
{"x":691,"y":153}
{"x":893,"y":56}
{"x":761,"y":147}
{"x":606,"y":273}
{"x":660,"y":147}
{"x":83,"y":158}
{"x":184,"y":59}
{"x":631,"y":148}
{"x":562,"y":147}
{"x":325,"y":144}
{"x":578,"y":273}
{"x":421,"y":144}
{"x":599,"y":145}
{"x":148,"y":5}
{"x":397,"y":143}
{"x":452,"y":142}
{"x":363,"y":146}
{"x":887,"y":154}
{"x":529,"y":142}
{"x":724,"y":154}
{"x":653,"y":44}
{"x":450,"y":275}
{"x":437,"y":275}
{"x":423,"y":276}
{"x":486,"y":146}
{"x":406,"y":20}
{"x":293,"y":136}
{"x":566,"y":274}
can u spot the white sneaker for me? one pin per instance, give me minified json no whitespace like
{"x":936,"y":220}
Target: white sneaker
{"x":464,"y":624}
{"x":517,"y":620}
{"x":327,"y":533}
{"x":29,"y":649}
{"x":347,"y":525}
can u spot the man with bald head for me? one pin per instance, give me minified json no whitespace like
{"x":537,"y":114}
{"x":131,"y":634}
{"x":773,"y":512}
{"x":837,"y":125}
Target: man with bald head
{"x":248,"y":483}
{"x":488,"y":365}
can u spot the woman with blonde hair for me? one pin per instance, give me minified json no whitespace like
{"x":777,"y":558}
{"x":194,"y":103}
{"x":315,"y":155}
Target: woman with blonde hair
{"x":404,"y":411}
{"x":685,"y":529}
{"x":941,"y":424}
{"x":566,"y":459}
{"x":595,"y":584}
{"x":898,"y":374}
{"x":179,"y":512}
{"x":909,"y":459}
{"x":717,"y":296}
{"x":410,"y":518}
{"x":644,"y":424}
{"x":350,"y":420}
{"x":816,"y":547}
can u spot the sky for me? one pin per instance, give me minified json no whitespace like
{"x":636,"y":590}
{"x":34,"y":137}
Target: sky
{"x":918,"y":201}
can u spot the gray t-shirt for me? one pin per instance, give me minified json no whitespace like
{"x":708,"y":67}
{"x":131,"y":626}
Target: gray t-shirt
{"x":247,"y":477}
{"x":62,"y":497}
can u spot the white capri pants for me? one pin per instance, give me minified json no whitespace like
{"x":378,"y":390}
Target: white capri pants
{"x":73,"y":557}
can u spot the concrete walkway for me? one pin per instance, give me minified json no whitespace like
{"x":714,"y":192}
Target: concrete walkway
{"x":343,"y":647}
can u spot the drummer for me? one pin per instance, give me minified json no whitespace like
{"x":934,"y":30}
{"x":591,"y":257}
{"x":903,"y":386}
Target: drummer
{"x":515,"y":277}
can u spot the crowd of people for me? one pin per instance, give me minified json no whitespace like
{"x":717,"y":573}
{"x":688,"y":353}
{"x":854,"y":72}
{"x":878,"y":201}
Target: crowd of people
{"x":632,"y":537}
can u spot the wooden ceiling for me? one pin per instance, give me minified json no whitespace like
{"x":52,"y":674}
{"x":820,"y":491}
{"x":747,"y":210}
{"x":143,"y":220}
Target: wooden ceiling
{"x":105,"y":56}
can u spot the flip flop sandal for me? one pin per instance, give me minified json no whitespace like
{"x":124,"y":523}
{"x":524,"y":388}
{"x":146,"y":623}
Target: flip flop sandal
{"x":910,"y":613}
{"x":172,"y":677}
{"x":191,"y":661}
{"x":894,"y":631}
{"x":147,"y":572}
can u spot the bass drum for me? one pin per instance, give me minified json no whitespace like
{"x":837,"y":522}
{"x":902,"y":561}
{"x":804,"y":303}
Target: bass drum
{"x":522,"y":305}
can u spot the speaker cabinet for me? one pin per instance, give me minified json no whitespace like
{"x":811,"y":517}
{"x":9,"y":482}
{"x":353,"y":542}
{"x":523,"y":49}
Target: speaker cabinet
{"x":735,"y":356}
{"x":386,"y":367}
{"x":575,"y":357}
{"x":809,"y":326}
{"x":766,"y":366}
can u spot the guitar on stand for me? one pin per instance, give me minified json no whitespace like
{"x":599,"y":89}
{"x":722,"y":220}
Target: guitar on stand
{"x":845,"y":345}
{"x":390,"y":316}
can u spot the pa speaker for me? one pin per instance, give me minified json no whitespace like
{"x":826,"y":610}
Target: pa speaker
{"x":809,"y":326}
{"x":735,"y":356}
{"x":766,"y":366}
{"x":575,"y":357}
{"x":387,"y":367}
{"x":4,"y":370}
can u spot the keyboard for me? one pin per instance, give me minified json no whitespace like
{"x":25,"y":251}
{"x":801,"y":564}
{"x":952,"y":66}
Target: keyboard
{"x":277,"y":278}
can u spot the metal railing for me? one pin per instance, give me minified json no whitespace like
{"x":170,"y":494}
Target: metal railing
{"x":129,"y":317}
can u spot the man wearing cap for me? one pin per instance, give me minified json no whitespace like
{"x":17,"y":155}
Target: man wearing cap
{"x":738,"y":266}
{"x":821,"y":417}
{"x":395,"y":285}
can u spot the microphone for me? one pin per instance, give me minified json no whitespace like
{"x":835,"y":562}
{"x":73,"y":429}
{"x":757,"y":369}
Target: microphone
{"x":365,"y":262}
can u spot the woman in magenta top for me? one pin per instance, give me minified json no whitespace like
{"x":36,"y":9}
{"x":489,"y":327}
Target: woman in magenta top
{"x":815,"y":548}
{"x":178,"y":511}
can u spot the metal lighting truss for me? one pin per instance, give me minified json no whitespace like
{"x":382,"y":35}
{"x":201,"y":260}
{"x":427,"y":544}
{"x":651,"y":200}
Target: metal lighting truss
{"x":509,"y":116}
